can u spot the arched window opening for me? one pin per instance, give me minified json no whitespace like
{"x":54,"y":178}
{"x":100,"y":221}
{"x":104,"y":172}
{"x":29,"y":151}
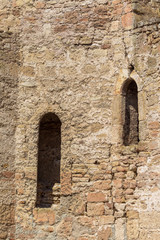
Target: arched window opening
{"x":130,"y":113}
{"x":49,"y":156}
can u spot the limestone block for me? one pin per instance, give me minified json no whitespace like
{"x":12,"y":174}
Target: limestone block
{"x":120,"y":229}
{"x":149,"y":220}
{"x":132,"y":229}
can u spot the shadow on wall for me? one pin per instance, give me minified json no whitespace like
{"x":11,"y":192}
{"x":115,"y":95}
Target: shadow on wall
{"x":49,"y":157}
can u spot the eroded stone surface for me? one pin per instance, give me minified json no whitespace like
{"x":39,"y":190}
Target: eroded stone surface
{"x":72,"y":58}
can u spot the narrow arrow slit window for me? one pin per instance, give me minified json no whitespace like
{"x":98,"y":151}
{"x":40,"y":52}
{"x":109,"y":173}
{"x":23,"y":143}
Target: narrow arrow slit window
{"x":130,"y":113}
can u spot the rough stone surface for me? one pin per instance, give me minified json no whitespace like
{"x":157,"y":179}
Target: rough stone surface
{"x":73,"y":58}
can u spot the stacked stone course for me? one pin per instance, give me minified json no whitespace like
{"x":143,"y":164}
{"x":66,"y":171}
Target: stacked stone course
{"x":73,"y":58}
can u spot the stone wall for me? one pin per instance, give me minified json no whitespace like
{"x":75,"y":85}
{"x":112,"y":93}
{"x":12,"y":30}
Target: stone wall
{"x":9,"y":63}
{"x":73,"y":59}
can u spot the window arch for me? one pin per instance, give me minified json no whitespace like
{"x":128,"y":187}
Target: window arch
{"x":49,"y":157}
{"x":130,"y":113}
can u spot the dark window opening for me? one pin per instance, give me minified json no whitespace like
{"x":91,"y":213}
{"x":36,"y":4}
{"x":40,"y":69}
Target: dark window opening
{"x":130,"y":114}
{"x":49,"y":156}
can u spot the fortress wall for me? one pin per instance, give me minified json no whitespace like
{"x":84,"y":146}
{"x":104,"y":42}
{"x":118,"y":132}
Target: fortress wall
{"x":9,"y":62}
{"x":75,"y":58}
{"x":146,"y":61}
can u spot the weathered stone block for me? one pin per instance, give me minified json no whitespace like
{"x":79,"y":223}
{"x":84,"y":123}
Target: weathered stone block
{"x":95,"y":209}
{"x":96,"y":197}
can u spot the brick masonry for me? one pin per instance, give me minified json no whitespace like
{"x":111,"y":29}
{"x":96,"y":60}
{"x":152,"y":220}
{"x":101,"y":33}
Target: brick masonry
{"x":73,"y":58}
